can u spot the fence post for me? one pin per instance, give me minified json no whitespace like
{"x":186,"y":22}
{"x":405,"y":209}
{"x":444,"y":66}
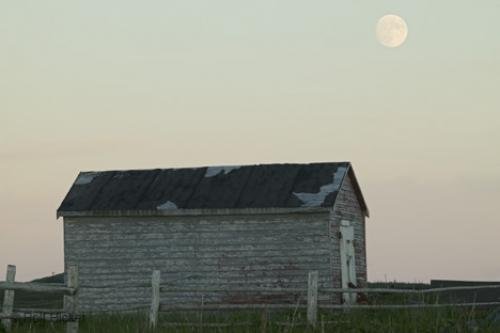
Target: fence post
{"x":8,"y":298}
{"x":263,"y":321}
{"x":71,"y":301}
{"x":312,"y":298}
{"x":155,"y":299}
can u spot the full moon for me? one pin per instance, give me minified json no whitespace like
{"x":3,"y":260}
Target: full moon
{"x":391,"y":30}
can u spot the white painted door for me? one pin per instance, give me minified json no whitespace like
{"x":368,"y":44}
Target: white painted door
{"x":347,"y":259}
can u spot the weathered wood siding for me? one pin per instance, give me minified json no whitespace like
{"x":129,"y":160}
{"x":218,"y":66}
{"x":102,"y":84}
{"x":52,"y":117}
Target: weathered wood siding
{"x":198,"y":251}
{"x":347,"y":207}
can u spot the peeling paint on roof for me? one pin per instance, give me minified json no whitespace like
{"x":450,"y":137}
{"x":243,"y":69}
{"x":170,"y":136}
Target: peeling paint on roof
{"x":85,"y":178}
{"x":169,"y":205}
{"x":214,"y":171}
{"x":317,"y":199}
{"x":338,"y":177}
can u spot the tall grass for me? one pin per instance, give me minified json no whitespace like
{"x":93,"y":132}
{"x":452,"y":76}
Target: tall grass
{"x":386,"y":321}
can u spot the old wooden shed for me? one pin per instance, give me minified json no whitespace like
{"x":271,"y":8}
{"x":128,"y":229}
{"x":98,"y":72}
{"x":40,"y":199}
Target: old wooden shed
{"x":229,"y":226}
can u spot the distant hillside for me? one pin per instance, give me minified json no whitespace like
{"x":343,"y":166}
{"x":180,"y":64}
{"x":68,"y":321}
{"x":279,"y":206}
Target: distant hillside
{"x":399,"y":285}
{"x":56,"y":278}
{"x":29,"y":299}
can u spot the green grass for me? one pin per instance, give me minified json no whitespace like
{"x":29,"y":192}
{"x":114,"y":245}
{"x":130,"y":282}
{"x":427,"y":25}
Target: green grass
{"x":386,"y":321}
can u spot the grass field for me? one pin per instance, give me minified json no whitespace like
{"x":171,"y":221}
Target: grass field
{"x":397,"y":321}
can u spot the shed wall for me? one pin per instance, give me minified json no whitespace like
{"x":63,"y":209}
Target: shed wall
{"x":211,"y":251}
{"x":347,"y":207}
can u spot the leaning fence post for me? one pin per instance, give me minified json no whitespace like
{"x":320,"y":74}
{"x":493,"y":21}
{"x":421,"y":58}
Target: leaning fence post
{"x":71,"y":301}
{"x":8,"y":298}
{"x":155,"y":300}
{"x":312,"y":298}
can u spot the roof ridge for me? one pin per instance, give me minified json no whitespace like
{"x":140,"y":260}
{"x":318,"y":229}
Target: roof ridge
{"x":220,"y":165}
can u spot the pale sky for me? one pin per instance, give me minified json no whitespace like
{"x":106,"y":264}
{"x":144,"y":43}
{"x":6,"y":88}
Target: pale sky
{"x":99,"y":85}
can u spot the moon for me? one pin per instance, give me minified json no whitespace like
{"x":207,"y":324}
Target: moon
{"x":391,"y":31}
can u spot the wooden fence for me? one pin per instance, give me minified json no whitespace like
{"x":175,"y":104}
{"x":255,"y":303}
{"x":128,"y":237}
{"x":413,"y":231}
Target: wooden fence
{"x":312,"y":305}
{"x":69,"y":313}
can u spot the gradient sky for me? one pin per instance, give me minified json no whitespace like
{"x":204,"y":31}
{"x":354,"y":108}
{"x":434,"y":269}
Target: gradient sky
{"x":98,"y":85}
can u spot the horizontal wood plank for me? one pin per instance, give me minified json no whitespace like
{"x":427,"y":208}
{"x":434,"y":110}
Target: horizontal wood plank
{"x":38,"y":287}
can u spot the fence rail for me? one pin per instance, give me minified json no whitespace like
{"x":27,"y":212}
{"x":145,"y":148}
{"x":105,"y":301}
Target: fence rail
{"x":167,"y":307}
{"x":407,"y":306}
{"x":407,"y":291}
{"x":171,"y":289}
{"x":69,"y":314}
{"x":243,"y":290}
{"x":37,"y":287}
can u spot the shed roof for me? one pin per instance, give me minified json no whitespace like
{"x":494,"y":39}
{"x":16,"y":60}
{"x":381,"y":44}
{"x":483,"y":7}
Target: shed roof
{"x":217,"y":187}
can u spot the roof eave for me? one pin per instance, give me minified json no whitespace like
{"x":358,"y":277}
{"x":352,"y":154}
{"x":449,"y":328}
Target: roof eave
{"x":194,"y":212}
